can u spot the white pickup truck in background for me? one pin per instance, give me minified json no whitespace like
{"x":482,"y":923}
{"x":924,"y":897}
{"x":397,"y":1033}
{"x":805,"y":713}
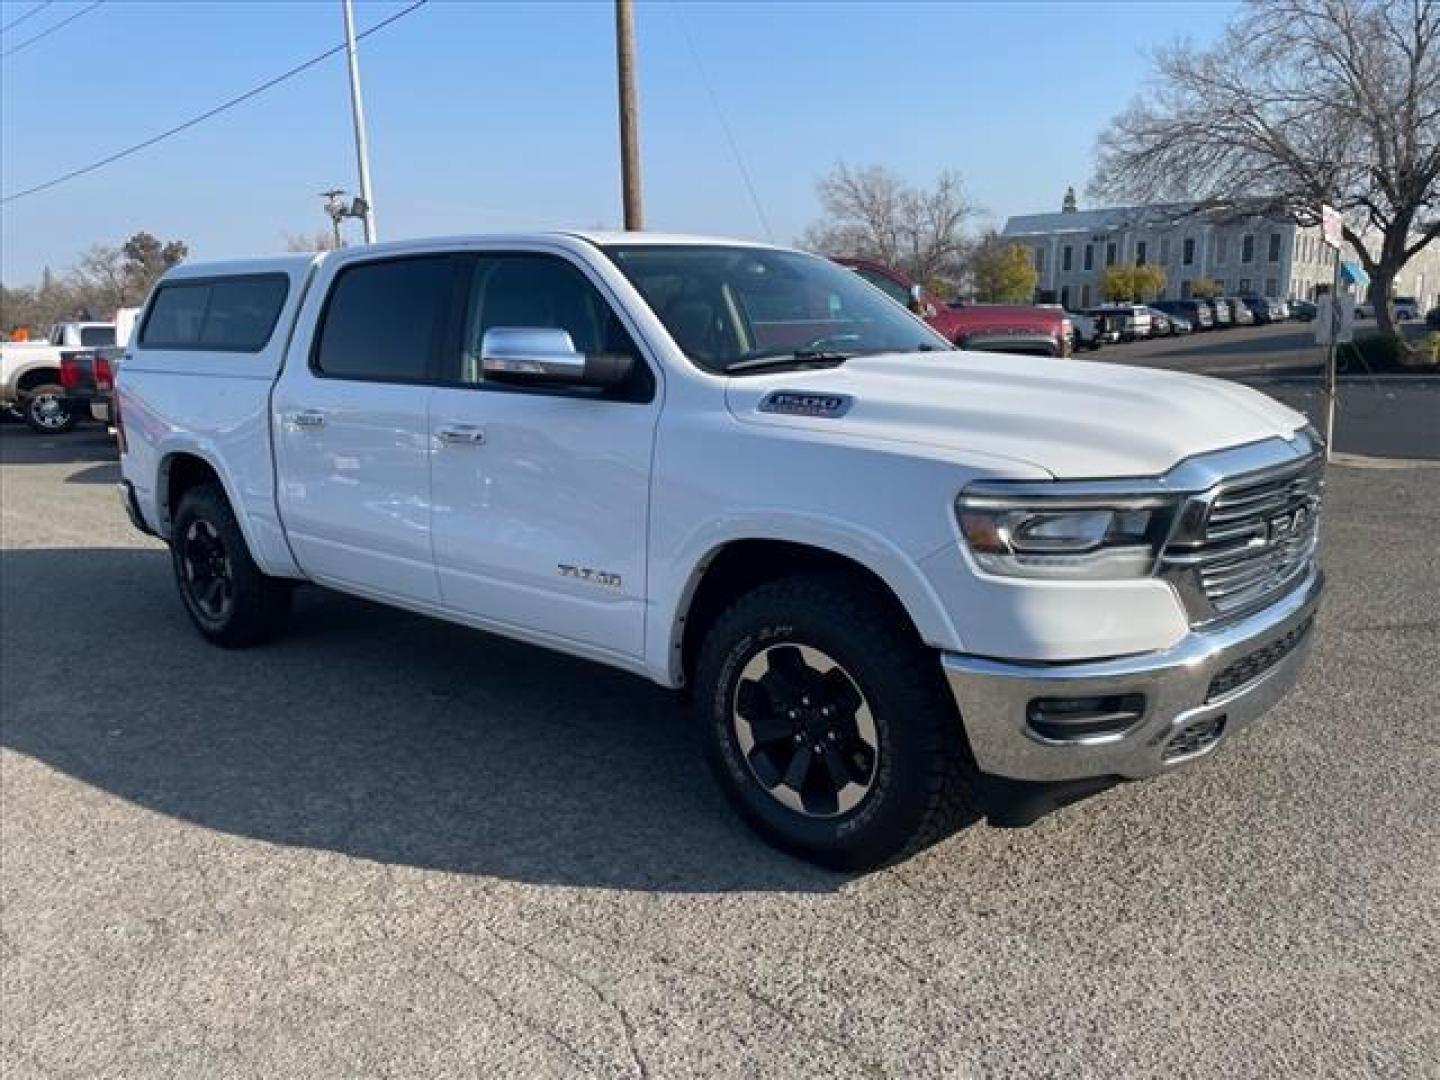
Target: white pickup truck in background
{"x":30,"y":384}
{"x":904,"y":585}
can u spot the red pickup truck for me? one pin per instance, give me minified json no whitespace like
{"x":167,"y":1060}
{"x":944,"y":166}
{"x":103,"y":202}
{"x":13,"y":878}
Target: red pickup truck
{"x":1014,"y":328}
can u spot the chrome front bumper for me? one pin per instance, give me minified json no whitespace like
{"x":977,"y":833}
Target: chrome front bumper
{"x":1196,"y":695}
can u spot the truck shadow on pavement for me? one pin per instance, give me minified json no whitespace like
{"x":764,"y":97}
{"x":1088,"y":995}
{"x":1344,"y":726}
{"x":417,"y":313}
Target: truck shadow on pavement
{"x":369,"y":732}
{"x":89,"y":443}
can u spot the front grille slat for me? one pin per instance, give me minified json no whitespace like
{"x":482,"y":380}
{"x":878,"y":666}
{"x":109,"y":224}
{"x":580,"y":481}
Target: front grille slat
{"x":1258,"y":536}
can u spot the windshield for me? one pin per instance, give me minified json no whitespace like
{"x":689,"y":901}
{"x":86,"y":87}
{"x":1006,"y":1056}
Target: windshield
{"x":726,"y":305}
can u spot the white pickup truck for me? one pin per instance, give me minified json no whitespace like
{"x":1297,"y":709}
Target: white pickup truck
{"x":30,"y":384}
{"x":904,"y":585}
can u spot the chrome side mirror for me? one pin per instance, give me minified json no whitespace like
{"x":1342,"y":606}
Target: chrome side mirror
{"x":531,"y":354}
{"x":544,"y":356}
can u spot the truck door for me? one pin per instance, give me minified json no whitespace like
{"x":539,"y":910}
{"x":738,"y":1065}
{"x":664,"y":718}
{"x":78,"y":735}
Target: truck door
{"x":541,"y":495}
{"x":351,"y":421}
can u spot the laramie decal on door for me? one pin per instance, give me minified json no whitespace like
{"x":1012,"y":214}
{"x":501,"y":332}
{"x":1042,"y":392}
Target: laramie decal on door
{"x":594,"y":577}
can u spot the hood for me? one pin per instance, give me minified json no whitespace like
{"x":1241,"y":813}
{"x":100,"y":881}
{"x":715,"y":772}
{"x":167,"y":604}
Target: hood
{"x":1075,"y":419}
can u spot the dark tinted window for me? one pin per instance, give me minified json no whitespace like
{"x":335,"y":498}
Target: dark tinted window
{"x":242,"y":312}
{"x":176,"y":316}
{"x":225,"y":314}
{"x":95,"y":337}
{"x":381,"y":319}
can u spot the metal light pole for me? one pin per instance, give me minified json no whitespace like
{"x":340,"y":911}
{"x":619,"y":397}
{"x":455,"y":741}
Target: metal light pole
{"x":629,"y":123}
{"x":1336,"y":320}
{"x":357,"y":109}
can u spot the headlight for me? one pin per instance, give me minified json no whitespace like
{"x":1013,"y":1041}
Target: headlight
{"x":1022,"y":531}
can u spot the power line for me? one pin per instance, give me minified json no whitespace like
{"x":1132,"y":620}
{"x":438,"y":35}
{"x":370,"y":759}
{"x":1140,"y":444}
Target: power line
{"x":216,"y":111}
{"x":49,"y":30}
{"x":21,"y":18}
{"x":724,"y":124}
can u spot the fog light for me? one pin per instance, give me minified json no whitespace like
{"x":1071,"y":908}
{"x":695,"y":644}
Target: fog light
{"x":1084,"y":719}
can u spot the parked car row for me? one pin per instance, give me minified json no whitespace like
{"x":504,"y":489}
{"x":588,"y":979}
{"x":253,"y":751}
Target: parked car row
{"x":1404,"y":308}
{"x":54,"y":383}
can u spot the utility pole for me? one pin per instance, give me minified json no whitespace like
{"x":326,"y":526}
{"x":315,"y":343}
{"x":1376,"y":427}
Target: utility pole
{"x":629,"y":122}
{"x":357,"y":109}
{"x":335,"y":210}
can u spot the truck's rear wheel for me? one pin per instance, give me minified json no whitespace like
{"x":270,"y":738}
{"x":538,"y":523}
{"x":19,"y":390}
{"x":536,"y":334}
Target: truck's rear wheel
{"x":828,"y":725}
{"x":47,"y":412}
{"x":228,"y":598}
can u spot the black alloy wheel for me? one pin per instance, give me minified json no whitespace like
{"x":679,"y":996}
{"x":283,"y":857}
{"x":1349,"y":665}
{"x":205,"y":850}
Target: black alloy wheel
{"x":805,"y":730}
{"x":207,"y":578}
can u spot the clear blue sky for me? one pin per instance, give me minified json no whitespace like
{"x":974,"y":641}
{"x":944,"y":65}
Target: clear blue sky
{"x":489,"y":116}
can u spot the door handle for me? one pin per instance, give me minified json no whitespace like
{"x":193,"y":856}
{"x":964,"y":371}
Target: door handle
{"x":462,"y":435}
{"x":307,"y":418}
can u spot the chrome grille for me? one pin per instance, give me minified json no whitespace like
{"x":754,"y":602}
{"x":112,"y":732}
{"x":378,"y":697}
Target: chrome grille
{"x":1255,"y":541}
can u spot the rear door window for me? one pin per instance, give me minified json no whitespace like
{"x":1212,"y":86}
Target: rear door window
{"x":236,"y":314}
{"x":97,"y":337}
{"x":382,"y":320}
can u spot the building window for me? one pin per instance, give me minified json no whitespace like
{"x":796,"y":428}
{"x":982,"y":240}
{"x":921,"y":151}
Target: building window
{"x":1065,"y":293}
{"x":1039,"y":260}
{"x":1274,"y":247}
{"x":1110,"y":253}
{"x":1185,"y":290}
{"x":1245,"y":286}
{"x":1084,"y":295}
{"x":1140,"y":247}
{"x":1164,"y":249}
{"x":1220,"y":284}
{"x":1089,"y":258}
{"x":1222,"y":243}
{"x":1067,"y":258}
{"x":1272,"y":287}
{"x":1247,"y":249}
{"x":1188,"y":258}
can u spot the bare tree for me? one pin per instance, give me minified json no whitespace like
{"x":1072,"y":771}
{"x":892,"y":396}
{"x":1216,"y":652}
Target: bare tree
{"x":109,"y":277}
{"x":871,"y":213}
{"x":1302,"y":102}
{"x":103,"y":281}
{"x":320,"y":241}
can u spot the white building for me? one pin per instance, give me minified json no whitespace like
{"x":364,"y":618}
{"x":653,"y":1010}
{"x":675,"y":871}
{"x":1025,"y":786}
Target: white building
{"x":1253,"y":255}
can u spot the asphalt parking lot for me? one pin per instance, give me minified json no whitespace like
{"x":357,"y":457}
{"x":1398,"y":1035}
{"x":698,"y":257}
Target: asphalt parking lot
{"x":1376,"y":415}
{"x":387,"y":846}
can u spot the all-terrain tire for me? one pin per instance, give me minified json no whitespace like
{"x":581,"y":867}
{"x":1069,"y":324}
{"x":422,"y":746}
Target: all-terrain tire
{"x":922,"y":784}
{"x":246,"y":607}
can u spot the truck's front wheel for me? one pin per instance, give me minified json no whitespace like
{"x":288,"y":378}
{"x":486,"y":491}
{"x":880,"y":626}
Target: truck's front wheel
{"x":227,"y":596}
{"x":828,"y":725}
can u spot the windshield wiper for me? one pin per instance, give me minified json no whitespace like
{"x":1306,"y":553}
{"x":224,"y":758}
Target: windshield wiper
{"x":825,"y":357}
